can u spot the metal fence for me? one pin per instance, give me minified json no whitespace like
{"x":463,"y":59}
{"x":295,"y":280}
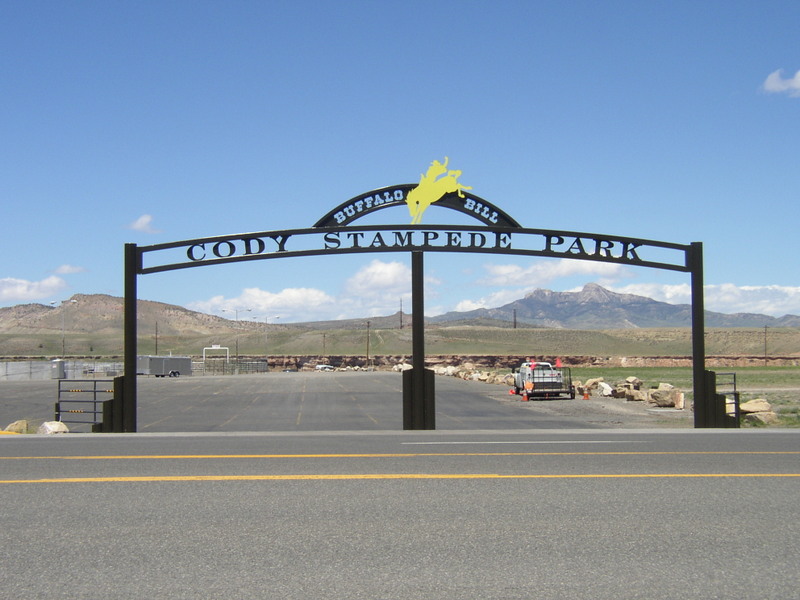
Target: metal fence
{"x":40,"y":370}
{"x":232,"y":367}
{"x":80,"y":401}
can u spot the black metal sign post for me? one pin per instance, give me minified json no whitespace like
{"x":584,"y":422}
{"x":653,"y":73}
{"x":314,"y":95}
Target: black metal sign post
{"x":334,"y":234}
{"x":129,"y":392}
{"x":419,"y":406}
{"x":703,"y":397}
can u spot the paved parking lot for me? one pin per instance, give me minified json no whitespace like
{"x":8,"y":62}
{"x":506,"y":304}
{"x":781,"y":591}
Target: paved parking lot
{"x":301,"y":401}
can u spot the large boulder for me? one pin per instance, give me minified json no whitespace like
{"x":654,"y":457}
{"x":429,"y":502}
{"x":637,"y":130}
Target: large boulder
{"x":18,"y":427}
{"x":633,"y":395}
{"x":662,"y":397}
{"x":759,"y":405}
{"x":761,"y":418}
{"x":592,"y":384}
{"x":605,"y":389}
{"x":634,"y":382}
{"x":50,"y":427}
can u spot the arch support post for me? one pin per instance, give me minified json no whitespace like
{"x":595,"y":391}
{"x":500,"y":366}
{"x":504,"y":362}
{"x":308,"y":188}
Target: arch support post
{"x":418,"y":383}
{"x":703,"y":397}
{"x":129,"y":329}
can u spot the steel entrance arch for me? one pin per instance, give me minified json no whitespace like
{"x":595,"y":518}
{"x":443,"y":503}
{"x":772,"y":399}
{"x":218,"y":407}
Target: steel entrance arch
{"x":333,"y":235}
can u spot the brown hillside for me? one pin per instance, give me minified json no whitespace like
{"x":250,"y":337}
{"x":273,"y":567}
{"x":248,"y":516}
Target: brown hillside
{"x":102,"y":314}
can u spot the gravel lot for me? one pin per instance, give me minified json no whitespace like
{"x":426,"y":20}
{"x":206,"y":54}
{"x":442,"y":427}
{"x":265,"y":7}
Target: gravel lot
{"x":609,"y":412}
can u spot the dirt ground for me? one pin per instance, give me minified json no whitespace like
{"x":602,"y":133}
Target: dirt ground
{"x":610,"y":412}
{"x":619,"y":413}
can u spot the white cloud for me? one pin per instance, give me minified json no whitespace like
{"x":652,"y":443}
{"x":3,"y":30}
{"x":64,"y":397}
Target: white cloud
{"x":491,"y":301}
{"x":376,"y":289}
{"x":291,"y":304}
{"x":380,"y":278}
{"x":540,"y":274}
{"x":672,"y":294}
{"x":774,"y":300}
{"x":379,"y":288}
{"x":776,"y":84}
{"x":21,"y":290}
{"x":69,"y":270}
{"x":144,"y":224}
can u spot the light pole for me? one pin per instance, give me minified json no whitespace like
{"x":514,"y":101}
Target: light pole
{"x":236,"y":318}
{"x":236,"y":312}
{"x":266,"y":339}
{"x":63,"y":324}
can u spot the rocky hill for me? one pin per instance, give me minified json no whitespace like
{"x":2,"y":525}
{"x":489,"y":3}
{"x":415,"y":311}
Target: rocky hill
{"x":595,"y":307}
{"x":99,"y":313}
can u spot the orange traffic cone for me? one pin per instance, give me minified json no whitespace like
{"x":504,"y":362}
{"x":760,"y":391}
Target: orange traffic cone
{"x":585,"y":394}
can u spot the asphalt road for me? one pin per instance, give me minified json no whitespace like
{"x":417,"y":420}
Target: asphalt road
{"x":441,"y":514}
{"x":495,"y":513}
{"x":302,"y":401}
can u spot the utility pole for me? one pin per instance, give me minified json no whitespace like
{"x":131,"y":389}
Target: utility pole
{"x":367,"y":343}
{"x":266,"y":339}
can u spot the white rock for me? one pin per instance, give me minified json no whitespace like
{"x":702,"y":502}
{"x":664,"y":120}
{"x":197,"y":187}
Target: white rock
{"x":49,"y":427}
{"x":593,"y":383}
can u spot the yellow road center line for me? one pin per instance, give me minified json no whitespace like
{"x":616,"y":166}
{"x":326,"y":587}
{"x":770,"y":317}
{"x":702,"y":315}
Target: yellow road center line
{"x":356,"y":476}
{"x":391,"y":455}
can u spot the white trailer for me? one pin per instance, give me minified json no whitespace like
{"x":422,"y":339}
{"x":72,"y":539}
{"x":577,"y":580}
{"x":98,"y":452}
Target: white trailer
{"x":164,"y":366}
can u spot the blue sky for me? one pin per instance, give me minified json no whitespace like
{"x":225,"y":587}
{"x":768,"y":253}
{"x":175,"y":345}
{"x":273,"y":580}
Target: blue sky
{"x":152,"y":122}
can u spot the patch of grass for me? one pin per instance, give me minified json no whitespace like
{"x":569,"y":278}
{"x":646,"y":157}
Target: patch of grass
{"x":788,"y":416}
{"x":680,"y":377}
{"x":746,"y":377}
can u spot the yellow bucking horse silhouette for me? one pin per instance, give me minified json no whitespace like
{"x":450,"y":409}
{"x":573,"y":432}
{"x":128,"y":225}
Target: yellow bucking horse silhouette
{"x":433,"y":185}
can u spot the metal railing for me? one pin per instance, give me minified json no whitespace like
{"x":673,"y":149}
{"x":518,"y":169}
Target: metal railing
{"x":232,"y":367}
{"x":80,"y":401}
{"x":731,"y":394}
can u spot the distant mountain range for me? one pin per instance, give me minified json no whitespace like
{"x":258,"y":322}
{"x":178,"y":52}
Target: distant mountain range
{"x":594,"y":307}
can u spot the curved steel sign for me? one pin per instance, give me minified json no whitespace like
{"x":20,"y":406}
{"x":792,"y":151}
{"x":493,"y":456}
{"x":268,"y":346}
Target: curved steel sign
{"x":407,"y":238}
{"x":334,"y":233}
